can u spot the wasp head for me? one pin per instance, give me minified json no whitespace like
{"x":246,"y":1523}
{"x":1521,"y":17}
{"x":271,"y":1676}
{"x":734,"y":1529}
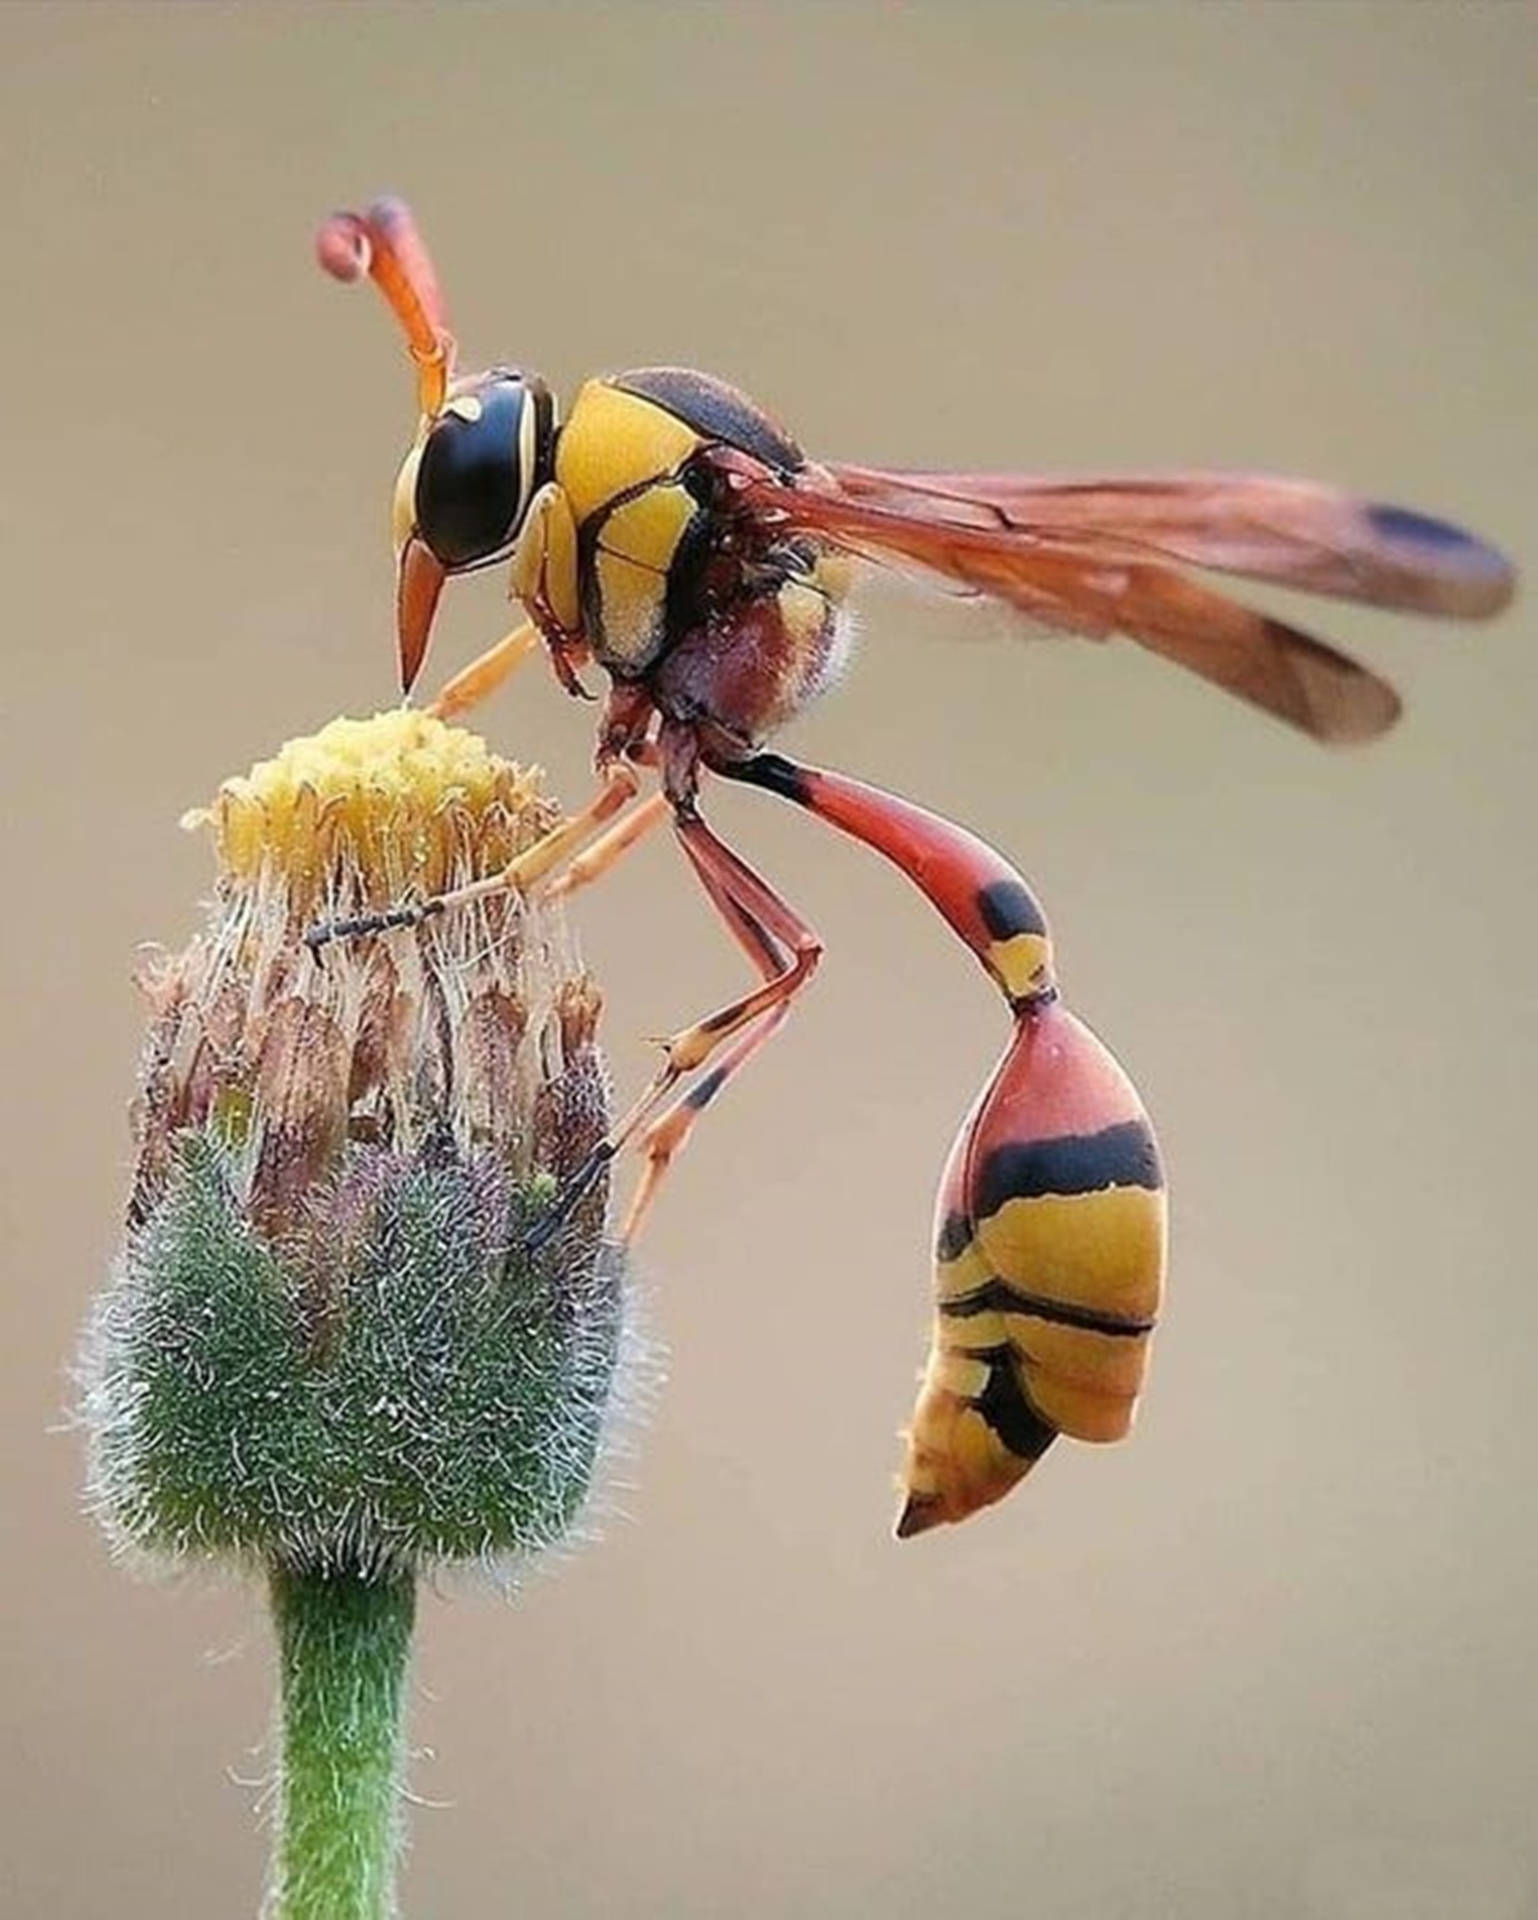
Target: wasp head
{"x":464,"y":490}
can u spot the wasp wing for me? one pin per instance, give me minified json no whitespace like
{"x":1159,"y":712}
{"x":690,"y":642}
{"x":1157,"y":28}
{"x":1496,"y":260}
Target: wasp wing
{"x":1297,"y":533}
{"x":1098,"y":557}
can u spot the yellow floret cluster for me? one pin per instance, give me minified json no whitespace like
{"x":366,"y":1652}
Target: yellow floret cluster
{"x":396,"y":797}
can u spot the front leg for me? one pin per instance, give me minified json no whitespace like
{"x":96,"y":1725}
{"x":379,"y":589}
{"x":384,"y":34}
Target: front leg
{"x":545,"y":578}
{"x":484,"y":674}
{"x":625,"y":729}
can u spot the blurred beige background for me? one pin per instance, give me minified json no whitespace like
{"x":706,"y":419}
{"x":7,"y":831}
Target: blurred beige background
{"x":1274,"y":1657}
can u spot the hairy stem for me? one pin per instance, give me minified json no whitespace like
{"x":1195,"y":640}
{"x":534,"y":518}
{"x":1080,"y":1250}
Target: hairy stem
{"x":343,"y":1642}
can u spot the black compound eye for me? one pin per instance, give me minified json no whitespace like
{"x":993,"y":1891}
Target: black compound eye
{"x":471,"y":484}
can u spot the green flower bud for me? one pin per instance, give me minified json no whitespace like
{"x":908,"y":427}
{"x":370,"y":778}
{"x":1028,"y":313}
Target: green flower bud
{"x":325,"y":1345}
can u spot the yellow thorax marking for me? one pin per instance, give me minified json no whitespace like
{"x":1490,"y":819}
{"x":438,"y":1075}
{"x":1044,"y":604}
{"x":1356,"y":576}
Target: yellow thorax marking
{"x":613,"y":441}
{"x":647,"y":530}
{"x":631,"y":598}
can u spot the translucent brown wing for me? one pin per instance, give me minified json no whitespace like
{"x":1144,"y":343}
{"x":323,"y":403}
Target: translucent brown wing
{"x":1099,"y":557}
{"x":1295,"y":532}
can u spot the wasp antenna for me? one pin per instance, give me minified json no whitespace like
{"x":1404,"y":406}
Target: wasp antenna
{"x":384,"y":244}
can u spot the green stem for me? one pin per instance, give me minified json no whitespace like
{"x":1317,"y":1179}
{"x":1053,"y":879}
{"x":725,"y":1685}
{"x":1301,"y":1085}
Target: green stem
{"x":343,"y":1642}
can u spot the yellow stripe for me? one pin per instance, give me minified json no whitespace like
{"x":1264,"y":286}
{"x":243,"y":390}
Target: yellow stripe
{"x":976,"y":1333}
{"x":1102,"y":1362}
{"x":1076,"y":1411}
{"x":1100,"y":1250}
{"x":1022,"y":964}
{"x":979,"y":1455}
{"x":957,"y":1373}
{"x":955,"y":1454}
{"x":968,"y":1271}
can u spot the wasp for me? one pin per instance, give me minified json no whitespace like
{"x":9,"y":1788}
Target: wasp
{"x":668,"y":534}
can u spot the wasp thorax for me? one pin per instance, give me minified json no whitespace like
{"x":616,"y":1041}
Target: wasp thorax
{"x":479,"y":465}
{"x":326,"y":1339}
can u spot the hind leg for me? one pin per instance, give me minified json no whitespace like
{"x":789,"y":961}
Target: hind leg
{"x":786,"y":952}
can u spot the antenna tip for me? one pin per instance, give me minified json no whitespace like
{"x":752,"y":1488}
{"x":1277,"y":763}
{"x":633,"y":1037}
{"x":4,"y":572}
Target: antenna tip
{"x":343,"y":246}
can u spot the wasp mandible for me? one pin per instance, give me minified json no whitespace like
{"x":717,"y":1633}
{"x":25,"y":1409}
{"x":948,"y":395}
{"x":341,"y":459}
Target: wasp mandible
{"x":671,"y":535}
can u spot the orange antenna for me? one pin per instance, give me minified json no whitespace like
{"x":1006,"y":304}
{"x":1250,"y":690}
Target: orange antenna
{"x":384,"y":244}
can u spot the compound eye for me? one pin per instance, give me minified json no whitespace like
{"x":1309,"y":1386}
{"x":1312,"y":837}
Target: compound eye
{"x":470,"y":477}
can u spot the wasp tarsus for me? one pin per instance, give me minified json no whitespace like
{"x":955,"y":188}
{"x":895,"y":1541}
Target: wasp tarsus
{"x":364,"y":924}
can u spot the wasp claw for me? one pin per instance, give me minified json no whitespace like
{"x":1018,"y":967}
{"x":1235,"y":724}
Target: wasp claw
{"x":571,"y":1191}
{"x":544,"y":1229}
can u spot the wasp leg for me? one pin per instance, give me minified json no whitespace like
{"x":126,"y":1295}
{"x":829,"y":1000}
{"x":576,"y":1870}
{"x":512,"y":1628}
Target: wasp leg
{"x":620,"y":785}
{"x":484,"y":674}
{"x":624,"y":727}
{"x":544,"y":577}
{"x":727,"y":877}
{"x":664,"y":1139}
{"x":1050,"y":1226}
{"x":784,"y":948}
{"x":595,"y":861}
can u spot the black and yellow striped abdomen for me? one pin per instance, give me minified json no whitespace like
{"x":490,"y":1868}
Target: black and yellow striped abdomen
{"x":1050,"y":1251}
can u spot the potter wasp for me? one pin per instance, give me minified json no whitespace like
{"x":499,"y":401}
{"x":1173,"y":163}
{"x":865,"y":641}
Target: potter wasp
{"x":668,"y":534}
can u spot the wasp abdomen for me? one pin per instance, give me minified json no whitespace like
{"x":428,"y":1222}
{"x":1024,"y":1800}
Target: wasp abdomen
{"x":1049,"y":1265}
{"x":1049,"y":1245}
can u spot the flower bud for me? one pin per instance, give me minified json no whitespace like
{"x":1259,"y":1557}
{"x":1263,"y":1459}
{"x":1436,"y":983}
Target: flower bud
{"x":325,"y":1343}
